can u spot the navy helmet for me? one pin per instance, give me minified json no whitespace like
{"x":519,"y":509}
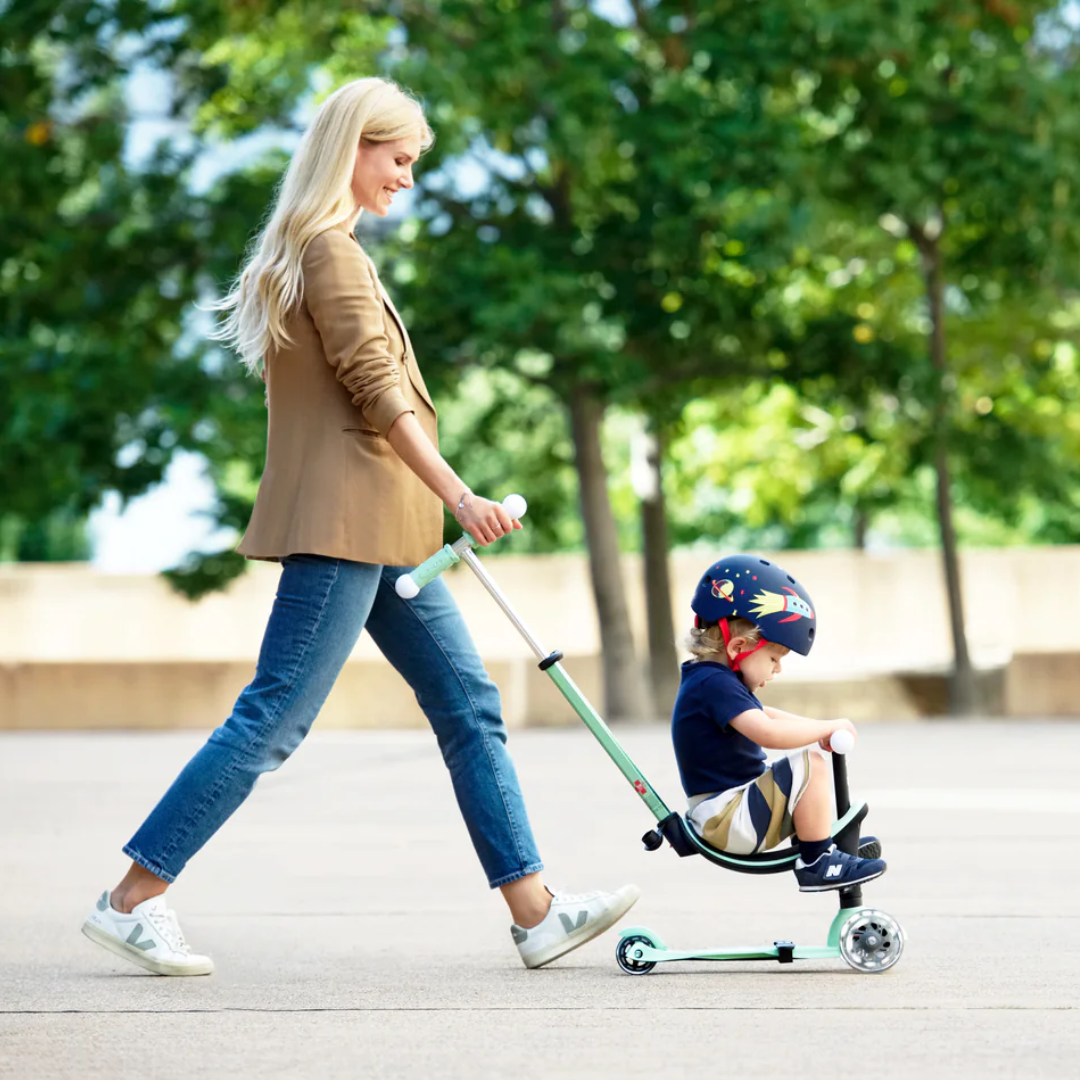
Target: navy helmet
{"x":752,"y":588}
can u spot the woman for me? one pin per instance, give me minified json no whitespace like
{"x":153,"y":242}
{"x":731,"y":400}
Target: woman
{"x":349,"y":499}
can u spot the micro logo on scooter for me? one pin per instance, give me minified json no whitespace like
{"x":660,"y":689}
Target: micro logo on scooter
{"x":640,"y":788}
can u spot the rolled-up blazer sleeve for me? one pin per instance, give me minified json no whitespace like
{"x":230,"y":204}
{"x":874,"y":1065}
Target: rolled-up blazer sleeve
{"x":342,"y":296}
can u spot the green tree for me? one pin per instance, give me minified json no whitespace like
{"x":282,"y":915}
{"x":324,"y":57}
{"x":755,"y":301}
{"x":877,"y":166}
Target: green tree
{"x":104,"y":372}
{"x":58,"y":538}
{"x":951,"y":127}
{"x":98,"y":269}
{"x":686,"y":207}
{"x":621,"y":235}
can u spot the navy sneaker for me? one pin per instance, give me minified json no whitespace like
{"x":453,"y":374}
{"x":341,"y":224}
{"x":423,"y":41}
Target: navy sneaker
{"x":869,"y":847}
{"x":836,"y":869}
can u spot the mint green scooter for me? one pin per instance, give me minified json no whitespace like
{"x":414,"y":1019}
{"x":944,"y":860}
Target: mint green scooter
{"x":869,"y":940}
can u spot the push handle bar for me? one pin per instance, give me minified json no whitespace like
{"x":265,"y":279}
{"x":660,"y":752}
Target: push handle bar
{"x":410,"y":584}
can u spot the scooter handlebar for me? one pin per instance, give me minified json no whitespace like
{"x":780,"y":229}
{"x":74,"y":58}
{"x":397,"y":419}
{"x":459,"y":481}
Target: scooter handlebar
{"x":409,"y":585}
{"x":515,"y":506}
{"x":842,"y":741}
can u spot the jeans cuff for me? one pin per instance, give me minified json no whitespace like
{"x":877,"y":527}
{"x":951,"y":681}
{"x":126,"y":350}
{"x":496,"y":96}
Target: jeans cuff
{"x":146,"y":864}
{"x":532,"y":868}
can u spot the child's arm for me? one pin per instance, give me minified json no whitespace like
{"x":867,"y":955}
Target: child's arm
{"x":779,"y":714}
{"x":786,"y":717}
{"x":779,"y":730}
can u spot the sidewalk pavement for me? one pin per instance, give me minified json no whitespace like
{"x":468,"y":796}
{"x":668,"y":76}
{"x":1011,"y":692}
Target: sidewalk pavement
{"x":354,"y":935}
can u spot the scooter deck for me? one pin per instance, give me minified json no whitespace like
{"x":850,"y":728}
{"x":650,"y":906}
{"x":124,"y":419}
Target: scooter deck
{"x":785,"y":952}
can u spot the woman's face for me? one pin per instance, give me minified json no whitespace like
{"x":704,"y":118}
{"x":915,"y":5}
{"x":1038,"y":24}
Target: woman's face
{"x":381,"y":169}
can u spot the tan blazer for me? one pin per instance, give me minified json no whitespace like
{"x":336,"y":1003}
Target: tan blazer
{"x":332,"y":483}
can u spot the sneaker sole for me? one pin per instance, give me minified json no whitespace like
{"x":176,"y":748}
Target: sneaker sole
{"x":587,"y":933}
{"x":136,"y":956}
{"x":840,"y":884}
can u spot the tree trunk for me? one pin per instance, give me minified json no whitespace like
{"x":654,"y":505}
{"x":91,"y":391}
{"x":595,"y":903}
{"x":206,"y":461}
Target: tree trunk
{"x":962,"y":684}
{"x":624,"y":685}
{"x":860,"y":528}
{"x":663,"y":656}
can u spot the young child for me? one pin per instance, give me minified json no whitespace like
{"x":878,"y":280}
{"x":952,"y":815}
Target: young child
{"x":748,"y":614}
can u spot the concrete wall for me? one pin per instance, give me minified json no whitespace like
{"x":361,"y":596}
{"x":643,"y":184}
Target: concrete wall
{"x":81,"y":649}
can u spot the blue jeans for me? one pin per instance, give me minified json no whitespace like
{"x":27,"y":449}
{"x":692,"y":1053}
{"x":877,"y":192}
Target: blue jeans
{"x":322,"y":605}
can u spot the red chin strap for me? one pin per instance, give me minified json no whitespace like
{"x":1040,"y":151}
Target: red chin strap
{"x":726,"y":631}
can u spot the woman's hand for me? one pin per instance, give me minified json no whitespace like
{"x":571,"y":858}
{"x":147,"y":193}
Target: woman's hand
{"x":484,"y":520}
{"x":837,"y":725}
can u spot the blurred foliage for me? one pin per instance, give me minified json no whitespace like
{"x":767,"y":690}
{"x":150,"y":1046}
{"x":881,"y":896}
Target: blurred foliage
{"x":702,"y":212}
{"x":103,"y":372}
{"x":60,"y":537}
{"x":955,"y":128}
{"x":97,"y":271}
{"x":704,"y":204}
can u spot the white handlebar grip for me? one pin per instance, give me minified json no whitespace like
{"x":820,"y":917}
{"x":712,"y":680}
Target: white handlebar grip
{"x":515,"y":506}
{"x":842,"y":741}
{"x":405,"y":587}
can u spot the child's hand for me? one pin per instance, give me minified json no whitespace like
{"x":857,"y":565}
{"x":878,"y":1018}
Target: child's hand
{"x":837,"y":725}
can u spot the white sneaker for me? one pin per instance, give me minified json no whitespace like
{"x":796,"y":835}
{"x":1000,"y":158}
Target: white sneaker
{"x":150,"y":937}
{"x":571,"y":921}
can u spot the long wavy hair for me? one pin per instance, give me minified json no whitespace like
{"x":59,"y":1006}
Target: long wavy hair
{"x":314,"y":194}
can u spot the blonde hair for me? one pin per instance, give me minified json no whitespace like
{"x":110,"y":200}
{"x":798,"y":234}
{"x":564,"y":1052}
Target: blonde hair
{"x":314,"y":195}
{"x":707,"y":642}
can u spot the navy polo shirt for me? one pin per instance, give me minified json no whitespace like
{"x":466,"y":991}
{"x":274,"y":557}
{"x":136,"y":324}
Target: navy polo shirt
{"x":713,"y":756}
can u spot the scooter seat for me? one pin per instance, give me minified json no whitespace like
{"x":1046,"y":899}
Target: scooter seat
{"x":683,"y":837}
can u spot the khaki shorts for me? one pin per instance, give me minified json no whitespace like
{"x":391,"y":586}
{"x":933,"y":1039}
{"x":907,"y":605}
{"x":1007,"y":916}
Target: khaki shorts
{"x":756,"y":816}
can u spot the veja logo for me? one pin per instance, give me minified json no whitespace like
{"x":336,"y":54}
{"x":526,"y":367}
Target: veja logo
{"x":834,"y":871}
{"x":568,"y":926}
{"x":133,"y":939}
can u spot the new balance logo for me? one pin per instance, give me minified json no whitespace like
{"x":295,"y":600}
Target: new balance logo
{"x":136,"y":934}
{"x":570,"y":927}
{"x":834,"y":871}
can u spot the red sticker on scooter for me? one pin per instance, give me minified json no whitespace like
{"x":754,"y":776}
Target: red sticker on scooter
{"x":639,"y":787}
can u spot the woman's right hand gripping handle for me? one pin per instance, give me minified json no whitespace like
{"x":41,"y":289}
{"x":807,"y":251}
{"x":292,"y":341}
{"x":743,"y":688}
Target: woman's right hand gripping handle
{"x":486,"y":521}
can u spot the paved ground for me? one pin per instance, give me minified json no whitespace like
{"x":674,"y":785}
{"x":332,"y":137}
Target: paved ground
{"x":354,"y":935}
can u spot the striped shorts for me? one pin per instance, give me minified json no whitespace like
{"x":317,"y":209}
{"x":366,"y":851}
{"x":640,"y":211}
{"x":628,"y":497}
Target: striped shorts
{"x":756,"y":816}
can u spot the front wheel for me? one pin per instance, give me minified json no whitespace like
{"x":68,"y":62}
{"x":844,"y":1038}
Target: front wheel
{"x":871,"y":941}
{"x":631,"y":964}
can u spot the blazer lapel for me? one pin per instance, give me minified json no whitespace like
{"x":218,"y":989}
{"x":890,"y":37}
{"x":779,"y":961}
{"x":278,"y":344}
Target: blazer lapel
{"x":397,"y":318}
{"x":389,"y":305}
{"x":385,"y":295}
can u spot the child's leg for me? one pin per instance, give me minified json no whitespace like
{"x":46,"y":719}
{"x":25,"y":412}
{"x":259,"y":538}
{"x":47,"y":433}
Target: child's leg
{"x":759,"y":815}
{"x":812,"y":815}
{"x":821,"y":865}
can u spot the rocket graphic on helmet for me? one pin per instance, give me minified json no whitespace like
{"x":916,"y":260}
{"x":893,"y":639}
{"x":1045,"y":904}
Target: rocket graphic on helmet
{"x":752,"y":588}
